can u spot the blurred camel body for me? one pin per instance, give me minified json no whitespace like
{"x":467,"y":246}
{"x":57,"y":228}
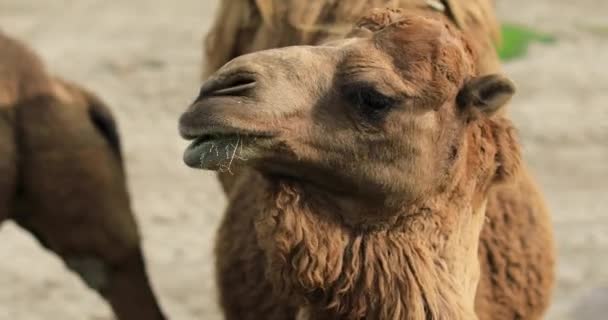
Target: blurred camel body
{"x":516,"y":248}
{"x":62,"y":179}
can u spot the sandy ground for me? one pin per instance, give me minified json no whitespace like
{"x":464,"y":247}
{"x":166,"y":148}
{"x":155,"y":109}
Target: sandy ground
{"x":143,"y":58}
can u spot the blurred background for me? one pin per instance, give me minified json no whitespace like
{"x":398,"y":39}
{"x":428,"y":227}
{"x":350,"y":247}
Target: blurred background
{"x":143,"y":57}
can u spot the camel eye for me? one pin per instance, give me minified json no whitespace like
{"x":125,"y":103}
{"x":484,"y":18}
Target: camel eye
{"x":369,"y":101}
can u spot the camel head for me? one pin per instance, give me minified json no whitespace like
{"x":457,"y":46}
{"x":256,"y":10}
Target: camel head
{"x":395,"y":110}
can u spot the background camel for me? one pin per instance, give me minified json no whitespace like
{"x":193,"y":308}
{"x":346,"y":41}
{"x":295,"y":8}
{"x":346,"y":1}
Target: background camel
{"x":148,"y":79}
{"x":365,"y":167}
{"x":61,"y":178}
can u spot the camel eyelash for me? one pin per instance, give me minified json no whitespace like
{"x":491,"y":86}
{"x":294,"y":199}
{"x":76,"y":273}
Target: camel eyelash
{"x":369,"y":100}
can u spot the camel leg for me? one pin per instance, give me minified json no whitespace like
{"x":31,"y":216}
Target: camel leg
{"x":73,"y":197}
{"x":119,"y":276}
{"x":129,"y":290}
{"x":8,"y":167}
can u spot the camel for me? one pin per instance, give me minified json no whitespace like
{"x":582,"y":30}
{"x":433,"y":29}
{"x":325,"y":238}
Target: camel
{"x":366,"y":167}
{"x":62,"y":179}
{"x":516,"y":210}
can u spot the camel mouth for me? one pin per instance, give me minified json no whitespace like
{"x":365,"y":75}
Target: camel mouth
{"x":220,"y":151}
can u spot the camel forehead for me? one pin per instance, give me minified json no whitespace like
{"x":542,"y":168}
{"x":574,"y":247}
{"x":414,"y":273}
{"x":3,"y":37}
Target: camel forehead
{"x":419,"y":37}
{"x":424,"y":49}
{"x":419,"y":24}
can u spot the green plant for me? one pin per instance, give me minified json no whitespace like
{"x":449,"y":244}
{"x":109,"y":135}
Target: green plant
{"x":516,"y":39}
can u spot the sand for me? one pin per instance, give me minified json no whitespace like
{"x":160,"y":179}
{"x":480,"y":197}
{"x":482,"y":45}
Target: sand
{"x":143,"y":57}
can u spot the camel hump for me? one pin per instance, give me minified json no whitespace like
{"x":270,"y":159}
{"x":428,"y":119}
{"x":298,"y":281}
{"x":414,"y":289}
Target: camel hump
{"x":473,"y":14}
{"x":244,"y":26}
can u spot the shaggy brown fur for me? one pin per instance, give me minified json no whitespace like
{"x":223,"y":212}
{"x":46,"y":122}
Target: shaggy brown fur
{"x":61,"y":178}
{"x":244,"y":26}
{"x":344,"y":210}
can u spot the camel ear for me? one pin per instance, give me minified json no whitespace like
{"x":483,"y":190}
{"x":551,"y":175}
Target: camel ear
{"x":487,"y":94}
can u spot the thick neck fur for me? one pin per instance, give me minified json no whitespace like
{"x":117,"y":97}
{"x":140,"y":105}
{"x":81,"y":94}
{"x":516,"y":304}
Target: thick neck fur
{"x":422,"y":266}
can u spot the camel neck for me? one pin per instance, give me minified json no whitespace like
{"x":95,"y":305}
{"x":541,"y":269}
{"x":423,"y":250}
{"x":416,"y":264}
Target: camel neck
{"x":423,"y":267}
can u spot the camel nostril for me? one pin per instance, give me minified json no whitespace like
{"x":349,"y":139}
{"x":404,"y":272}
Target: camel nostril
{"x":233,"y":85}
{"x":235,"y":88}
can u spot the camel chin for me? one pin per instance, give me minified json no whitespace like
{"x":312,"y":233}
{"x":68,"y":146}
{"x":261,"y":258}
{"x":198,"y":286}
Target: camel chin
{"x":221,"y":152}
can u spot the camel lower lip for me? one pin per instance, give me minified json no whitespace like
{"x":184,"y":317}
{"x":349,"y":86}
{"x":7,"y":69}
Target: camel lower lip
{"x":219,"y":152}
